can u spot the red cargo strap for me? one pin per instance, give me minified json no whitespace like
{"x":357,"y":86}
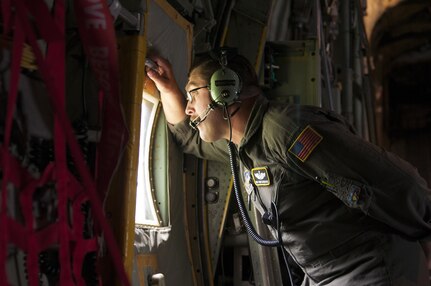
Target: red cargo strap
{"x":95,"y":26}
{"x":52,"y":71}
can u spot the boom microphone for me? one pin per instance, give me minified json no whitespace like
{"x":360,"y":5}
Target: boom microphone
{"x":198,"y":120}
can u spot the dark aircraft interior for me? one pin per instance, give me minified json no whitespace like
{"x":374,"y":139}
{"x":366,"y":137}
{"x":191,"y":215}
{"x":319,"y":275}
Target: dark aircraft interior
{"x":94,"y":191}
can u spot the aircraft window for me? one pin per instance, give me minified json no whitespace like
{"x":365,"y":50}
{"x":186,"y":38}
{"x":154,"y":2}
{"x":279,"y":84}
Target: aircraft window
{"x":151,"y":193}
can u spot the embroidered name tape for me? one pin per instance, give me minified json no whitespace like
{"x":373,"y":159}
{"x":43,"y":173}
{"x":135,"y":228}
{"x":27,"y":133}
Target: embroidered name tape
{"x":305,"y":143}
{"x":260,"y":176}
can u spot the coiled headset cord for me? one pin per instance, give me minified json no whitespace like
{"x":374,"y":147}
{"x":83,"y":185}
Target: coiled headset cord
{"x":248,"y":225}
{"x":242,"y":209}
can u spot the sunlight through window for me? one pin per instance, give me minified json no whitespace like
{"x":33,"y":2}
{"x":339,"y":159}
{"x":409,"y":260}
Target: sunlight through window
{"x":146,"y":203}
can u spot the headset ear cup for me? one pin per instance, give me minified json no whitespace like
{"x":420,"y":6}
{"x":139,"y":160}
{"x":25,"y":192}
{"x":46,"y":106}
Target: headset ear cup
{"x":225,"y":86}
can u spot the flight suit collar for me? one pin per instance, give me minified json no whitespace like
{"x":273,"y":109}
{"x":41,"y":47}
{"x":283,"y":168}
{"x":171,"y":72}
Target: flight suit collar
{"x":255,"y":119}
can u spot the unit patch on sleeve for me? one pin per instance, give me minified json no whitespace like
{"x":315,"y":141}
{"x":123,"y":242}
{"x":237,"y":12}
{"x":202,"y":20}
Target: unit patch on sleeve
{"x":260,"y":176}
{"x":305,"y":143}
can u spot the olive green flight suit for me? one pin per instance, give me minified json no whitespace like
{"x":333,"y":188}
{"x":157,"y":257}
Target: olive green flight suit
{"x":351,"y":213}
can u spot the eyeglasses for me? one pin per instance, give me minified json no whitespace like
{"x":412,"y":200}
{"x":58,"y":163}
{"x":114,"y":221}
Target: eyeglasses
{"x":193,"y":92}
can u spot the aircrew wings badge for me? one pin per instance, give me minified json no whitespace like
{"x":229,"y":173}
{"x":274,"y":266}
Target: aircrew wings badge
{"x":260,"y":176}
{"x":305,"y":143}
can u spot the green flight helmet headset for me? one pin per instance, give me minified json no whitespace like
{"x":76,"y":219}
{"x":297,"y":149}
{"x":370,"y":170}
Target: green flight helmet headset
{"x":225,"y":84}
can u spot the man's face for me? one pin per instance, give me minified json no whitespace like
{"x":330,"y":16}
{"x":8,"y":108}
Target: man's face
{"x":213,"y":127}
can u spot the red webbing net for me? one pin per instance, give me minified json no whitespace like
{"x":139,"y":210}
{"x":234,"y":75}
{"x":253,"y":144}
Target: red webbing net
{"x":29,"y":21}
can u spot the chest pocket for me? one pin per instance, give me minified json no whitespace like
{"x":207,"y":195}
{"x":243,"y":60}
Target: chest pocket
{"x":260,"y":185}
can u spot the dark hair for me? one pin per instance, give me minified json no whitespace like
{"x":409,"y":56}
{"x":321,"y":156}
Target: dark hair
{"x":210,"y":62}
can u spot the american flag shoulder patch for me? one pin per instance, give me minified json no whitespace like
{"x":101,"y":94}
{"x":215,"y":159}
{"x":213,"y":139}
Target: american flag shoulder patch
{"x":305,"y":143}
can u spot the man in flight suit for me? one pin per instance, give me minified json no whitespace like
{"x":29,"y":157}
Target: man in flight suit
{"x":350,"y":212}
